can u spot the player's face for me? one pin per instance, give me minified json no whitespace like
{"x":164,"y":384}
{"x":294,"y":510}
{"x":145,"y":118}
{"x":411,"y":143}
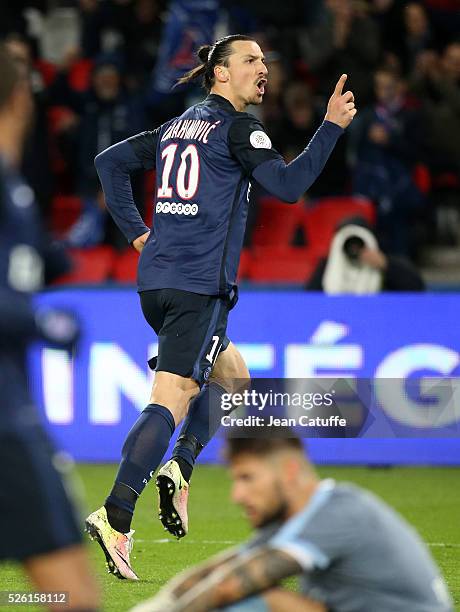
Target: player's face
{"x":247,"y":72}
{"x":258,"y":488}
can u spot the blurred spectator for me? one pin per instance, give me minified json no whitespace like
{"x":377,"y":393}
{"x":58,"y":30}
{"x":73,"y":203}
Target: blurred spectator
{"x":35,"y":161}
{"x":345,"y":40}
{"x":142,"y":38}
{"x":12,"y":18}
{"x":292,"y":133}
{"x":272,"y":109}
{"x":437,"y":82}
{"x":417,"y":36}
{"x":356,"y":265}
{"x":101,"y":24}
{"x":131,"y":28}
{"x":445,"y":16}
{"x":103,"y":115}
{"x":384,"y":145}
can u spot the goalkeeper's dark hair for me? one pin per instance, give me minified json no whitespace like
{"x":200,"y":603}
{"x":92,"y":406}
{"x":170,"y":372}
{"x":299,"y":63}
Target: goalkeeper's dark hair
{"x":254,"y":443}
{"x":210,"y":57}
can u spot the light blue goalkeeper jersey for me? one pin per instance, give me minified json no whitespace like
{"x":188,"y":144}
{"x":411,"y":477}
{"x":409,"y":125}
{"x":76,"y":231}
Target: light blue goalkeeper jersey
{"x":358,"y":554}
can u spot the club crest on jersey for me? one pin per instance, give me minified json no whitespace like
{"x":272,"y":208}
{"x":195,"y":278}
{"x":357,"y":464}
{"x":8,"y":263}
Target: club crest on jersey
{"x":260,"y":140}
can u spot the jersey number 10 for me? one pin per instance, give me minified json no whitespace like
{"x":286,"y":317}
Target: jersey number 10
{"x":185,"y":189}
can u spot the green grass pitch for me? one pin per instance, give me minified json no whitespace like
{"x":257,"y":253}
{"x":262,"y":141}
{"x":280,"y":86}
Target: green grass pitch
{"x":428,"y":497}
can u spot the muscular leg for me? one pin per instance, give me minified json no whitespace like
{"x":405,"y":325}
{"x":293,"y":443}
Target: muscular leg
{"x":230,"y":370}
{"x":65,"y":571}
{"x":146,"y":444}
{"x":229,"y":375}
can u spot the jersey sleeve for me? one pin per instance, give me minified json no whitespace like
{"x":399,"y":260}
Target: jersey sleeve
{"x":114,"y":167}
{"x":249,"y":143}
{"x":145,"y":147}
{"x":321,"y":534}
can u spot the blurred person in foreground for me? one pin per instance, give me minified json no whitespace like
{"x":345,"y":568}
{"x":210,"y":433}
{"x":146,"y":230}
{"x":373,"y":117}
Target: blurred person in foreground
{"x":40,"y":527}
{"x":356,"y":265}
{"x":352,"y":551}
{"x":35,"y":164}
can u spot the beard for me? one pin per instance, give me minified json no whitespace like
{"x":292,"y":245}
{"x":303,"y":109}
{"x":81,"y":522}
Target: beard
{"x":277,"y":514}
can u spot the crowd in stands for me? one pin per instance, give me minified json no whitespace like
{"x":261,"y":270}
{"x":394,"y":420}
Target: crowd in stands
{"x":93,"y":65}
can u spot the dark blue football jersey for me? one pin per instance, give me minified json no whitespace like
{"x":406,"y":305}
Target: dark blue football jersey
{"x":201,"y":196}
{"x":204,"y":162}
{"x":27,"y":259}
{"x":21,"y":273}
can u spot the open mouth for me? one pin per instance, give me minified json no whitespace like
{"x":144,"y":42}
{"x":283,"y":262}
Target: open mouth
{"x":261,"y":86}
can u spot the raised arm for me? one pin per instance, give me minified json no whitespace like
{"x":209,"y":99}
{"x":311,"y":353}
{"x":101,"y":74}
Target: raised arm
{"x":114,"y":167}
{"x":253,"y":149}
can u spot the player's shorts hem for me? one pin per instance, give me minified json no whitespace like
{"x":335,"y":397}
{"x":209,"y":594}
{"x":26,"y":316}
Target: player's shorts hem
{"x":39,"y":516}
{"x":191,"y":330}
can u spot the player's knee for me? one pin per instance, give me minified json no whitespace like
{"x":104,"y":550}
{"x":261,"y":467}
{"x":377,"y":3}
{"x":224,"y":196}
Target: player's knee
{"x":174,"y":392}
{"x":230,"y":371}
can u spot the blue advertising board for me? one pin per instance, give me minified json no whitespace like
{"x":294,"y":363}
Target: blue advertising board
{"x":91,"y":400}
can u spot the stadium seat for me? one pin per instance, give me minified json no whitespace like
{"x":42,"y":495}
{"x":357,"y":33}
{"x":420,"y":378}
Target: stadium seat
{"x":91,"y":266}
{"x":47,"y":70}
{"x":422,"y":178}
{"x":276,"y":222}
{"x":281,"y":264}
{"x":125,"y":266}
{"x":320,"y":221}
{"x":80,"y":74}
{"x":65,"y":210}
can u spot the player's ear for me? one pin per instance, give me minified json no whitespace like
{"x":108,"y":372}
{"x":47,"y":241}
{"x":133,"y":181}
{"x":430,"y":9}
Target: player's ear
{"x":221,"y":74}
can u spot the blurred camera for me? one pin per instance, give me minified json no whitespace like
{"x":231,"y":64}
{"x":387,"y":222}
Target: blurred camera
{"x":352,"y":248}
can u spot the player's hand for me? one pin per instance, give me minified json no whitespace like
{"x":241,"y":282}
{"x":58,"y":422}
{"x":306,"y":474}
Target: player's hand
{"x":341,"y":106}
{"x":140,"y":241}
{"x":373,"y":258}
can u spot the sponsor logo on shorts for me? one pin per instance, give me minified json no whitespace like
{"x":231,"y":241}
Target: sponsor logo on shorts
{"x":177,"y":208}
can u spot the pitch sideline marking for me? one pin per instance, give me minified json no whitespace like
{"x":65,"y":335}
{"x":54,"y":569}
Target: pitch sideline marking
{"x":169,"y":540}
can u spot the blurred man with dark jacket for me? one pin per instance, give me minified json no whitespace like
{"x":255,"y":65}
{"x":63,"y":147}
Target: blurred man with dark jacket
{"x":384,"y":147}
{"x":106,"y":114}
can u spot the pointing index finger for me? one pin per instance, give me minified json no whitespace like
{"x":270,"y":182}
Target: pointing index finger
{"x":340,"y":84}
